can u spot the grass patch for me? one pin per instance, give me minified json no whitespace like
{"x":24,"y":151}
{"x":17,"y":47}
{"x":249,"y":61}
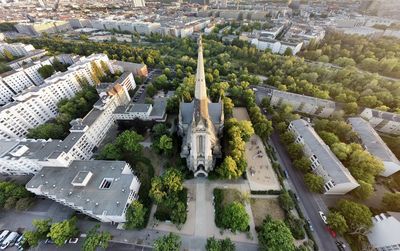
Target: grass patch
{"x":229,"y":196}
{"x":263,"y":207}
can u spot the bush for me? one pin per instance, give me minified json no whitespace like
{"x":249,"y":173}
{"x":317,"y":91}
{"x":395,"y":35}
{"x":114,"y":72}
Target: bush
{"x":218,"y":198}
{"x":295,"y":225}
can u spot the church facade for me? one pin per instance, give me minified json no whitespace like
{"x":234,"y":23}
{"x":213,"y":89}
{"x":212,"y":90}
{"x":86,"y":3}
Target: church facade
{"x":200,"y":125}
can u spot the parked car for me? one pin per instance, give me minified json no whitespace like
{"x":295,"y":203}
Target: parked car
{"x":323,"y":217}
{"x":10,"y":240}
{"x":73,"y":240}
{"x":340,"y":245}
{"x":19,"y":241}
{"x":3,"y":235}
{"x":310,"y":226}
{"x":49,"y":241}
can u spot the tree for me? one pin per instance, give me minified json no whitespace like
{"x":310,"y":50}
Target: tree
{"x":341,"y":150}
{"x":173,"y":180}
{"x":328,"y":137}
{"x":235,"y":217}
{"x":228,"y":105}
{"x":129,"y":141}
{"x":161,"y":82}
{"x":178,"y":214}
{"x":160,"y":130}
{"x":287,"y":137}
{"x":165,"y":144}
{"x":219,"y":245}
{"x":288,"y":52}
{"x":295,"y":226}
{"x":229,"y":169}
{"x":8,"y":55}
{"x":363,"y":166}
{"x":358,"y":217}
{"x":157,"y":192}
{"x":364,"y":191}
{"x":46,"y":71}
{"x":303,"y":164}
{"x":110,"y":152}
{"x":350,"y":108}
{"x":285,"y":201}
{"x":314,"y":182}
{"x":31,"y":238}
{"x":151,"y":90}
{"x":170,"y":242}
{"x":136,"y":215}
{"x":295,"y":150}
{"x":391,"y":201}
{"x":95,"y":239}
{"x":46,"y":131}
{"x":337,"y":222}
{"x":62,"y":231}
{"x":275,"y":235}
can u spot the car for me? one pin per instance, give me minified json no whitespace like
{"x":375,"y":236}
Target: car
{"x":296,"y":197}
{"x":340,"y":245}
{"x":323,"y":217}
{"x":310,"y":226}
{"x":3,"y":235}
{"x":19,"y":240}
{"x":73,"y":240}
{"x":285,"y":173}
{"x":10,"y":240}
{"x":49,"y":241}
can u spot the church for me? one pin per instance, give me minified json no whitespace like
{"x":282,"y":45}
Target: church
{"x":200,"y":125}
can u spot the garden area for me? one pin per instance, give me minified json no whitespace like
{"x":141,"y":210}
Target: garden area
{"x":261,"y":207}
{"x":230,"y":211}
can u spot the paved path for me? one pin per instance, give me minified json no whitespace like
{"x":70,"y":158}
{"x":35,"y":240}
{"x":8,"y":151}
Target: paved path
{"x":202,"y":209}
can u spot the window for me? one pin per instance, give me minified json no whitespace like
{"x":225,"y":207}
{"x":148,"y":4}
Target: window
{"x":106,"y":183}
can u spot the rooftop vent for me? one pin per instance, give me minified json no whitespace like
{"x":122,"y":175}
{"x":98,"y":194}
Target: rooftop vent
{"x":82,"y":178}
{"x":106,"y":183}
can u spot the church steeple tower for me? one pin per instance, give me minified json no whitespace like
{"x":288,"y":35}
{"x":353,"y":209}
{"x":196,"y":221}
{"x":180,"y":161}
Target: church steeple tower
{"x":200,"y":92}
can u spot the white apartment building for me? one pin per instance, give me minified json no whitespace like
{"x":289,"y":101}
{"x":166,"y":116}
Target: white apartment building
{"x":138,"y":3}
{"x":324,"y":163}
{"x":384,"y":234}
{"x":305,"y":104}
{"x":38,"y":104}
{"x":16,"y":80}
{"x":98,"y":188}
{"x":277,"y":46}
{"x":386,"y":122}
{"x":375,"y":145}
{"x":144,"y":28}
{"x":16,"y":49}
{"x":27,"y":156}
{"x":31,"y":57}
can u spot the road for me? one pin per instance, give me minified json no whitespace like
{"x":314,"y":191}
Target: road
{"x":311,"y":203}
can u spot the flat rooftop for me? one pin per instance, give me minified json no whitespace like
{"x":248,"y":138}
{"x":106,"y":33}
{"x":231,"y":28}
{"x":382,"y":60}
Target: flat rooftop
{"x":56,"y":182}
{"x":372,"y":141}
{"x":303,"y":99}
{"x":330,"y":163}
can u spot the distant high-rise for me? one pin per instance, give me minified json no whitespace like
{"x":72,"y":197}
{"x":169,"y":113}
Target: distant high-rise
{"x":138,"y":3}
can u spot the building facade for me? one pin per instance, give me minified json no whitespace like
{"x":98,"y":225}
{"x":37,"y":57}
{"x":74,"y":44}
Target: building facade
{"x":386,"y":122}
{"x":305,"y":104}
{"x":200,"y":125}
{"x":374,"y":144}
{"x":324,"y":163}
{"x":384,"y":234}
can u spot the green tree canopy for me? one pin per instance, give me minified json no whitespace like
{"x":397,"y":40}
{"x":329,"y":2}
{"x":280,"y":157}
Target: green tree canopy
{"x":391,"y":201}
{"x":275,"y":235}
{"x":95,"y":239}
{"x":46,"y":71}
{"x":314,"y":182}
{"x":337,"y":222}
{"x":358,"y":217}
{"x":235,"y":217}
{"x":170,"y":242}
{"x":136,"y":215}
{"x":62,"y":231}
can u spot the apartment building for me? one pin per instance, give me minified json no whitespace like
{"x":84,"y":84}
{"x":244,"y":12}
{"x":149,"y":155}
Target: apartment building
{"x":324,"y":163}
{"x":139,"y":70}
{"x":374,"y":144}
{"x":277,"y":46}
{"x":16,"y":80}
{"x":384,"y":234}
{"x":31,"y":57}
{"x":144,"y":28}
{"x":98,"y":188}
{"x":28,"y":156}
{"x":16,"y":49}
{"x":386,"y":122}
{"x":305,"y":104}
{"x":146,"y":112}
{"x":38,"y":104}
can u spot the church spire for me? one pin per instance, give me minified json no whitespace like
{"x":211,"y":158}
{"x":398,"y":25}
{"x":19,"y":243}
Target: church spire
{"x":200,"y":92}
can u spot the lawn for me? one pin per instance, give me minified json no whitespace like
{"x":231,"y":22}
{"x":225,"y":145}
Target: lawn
{"x":230,"y":195}
{"x":262,"y":207}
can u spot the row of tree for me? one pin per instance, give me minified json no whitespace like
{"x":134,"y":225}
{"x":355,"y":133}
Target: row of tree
{"x":371,"y":54}
{"x":61,"y":232}
{"x":13,"y":195}
{"x":76,"y":107}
